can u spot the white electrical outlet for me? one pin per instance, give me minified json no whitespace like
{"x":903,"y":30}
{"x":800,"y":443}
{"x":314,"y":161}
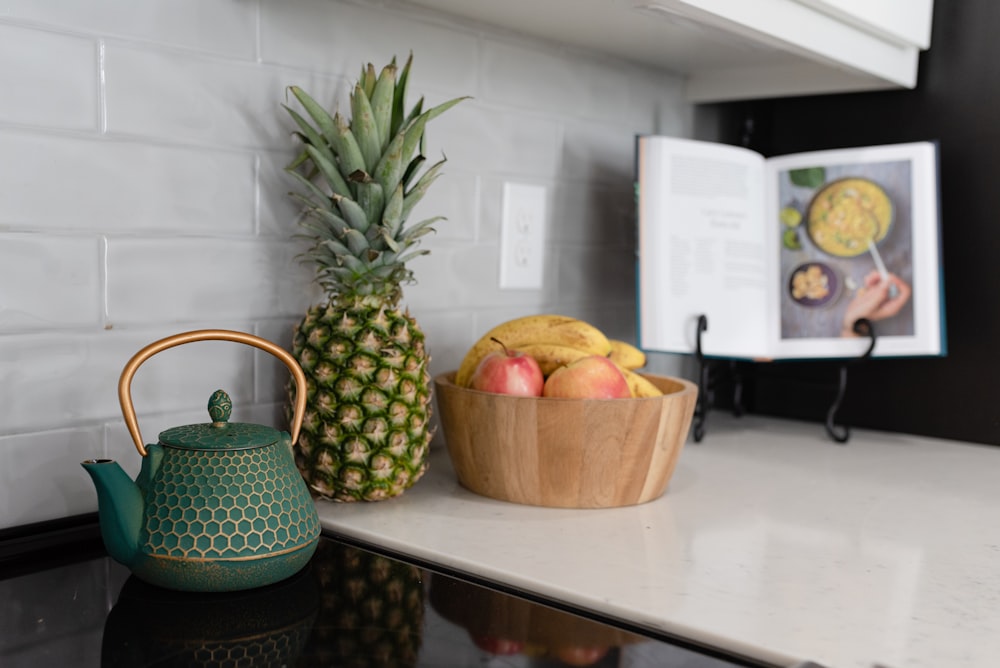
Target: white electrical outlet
{"x":522,"y":236}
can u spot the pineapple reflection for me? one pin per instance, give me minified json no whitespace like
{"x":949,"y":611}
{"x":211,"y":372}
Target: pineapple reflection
{"x":371,"y":610}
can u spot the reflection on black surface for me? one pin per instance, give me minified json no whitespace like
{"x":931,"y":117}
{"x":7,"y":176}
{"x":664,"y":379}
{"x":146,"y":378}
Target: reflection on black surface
{"x":371,"y":610}
{"x":150,"y":626}
{"x":507,"y":626}
{"x":347,"y":608}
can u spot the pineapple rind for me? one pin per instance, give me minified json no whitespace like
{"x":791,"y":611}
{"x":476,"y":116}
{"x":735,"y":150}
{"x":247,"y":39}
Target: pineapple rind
{"x":364,"y":436}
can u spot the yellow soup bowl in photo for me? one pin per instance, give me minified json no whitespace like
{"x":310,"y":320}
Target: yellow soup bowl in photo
{"x":846,"y":214}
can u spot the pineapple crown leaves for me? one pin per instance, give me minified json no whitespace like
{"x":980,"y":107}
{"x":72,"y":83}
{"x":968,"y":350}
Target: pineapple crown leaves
{"x":360,"y":179}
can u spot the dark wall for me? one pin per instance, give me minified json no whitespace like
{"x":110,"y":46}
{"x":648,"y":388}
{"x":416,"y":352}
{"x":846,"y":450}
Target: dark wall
{"x":957,"y":103}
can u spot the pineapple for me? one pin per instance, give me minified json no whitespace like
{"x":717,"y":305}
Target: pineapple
{"x":366,"y":431}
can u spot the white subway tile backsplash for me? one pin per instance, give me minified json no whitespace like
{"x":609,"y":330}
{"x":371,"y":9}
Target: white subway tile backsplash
{"x":142,"y":148}
{"x":47,"y":79}
{"x":633,"y":101}
{"x":57,"y":380}
{"x":601,"y":275}
{"x":191,"y":279}
{"x":475,"y":137}
{"x":674,"y":117}
{"x":580,"y":214}
{"x":192,"y":98}
{"x":277,"y":210}
{"x":491,"y":206}
{"x":42,"y":478}
{"x":560,"y":83}
{"x":447,"y":337}
{"x":595,"y":152}
{"x":340,"y":38}
{"x":593,"y":215}
{"x":219,"y":27}
{"x":49,"y":282}
{"x":437,"y":287}
{"x":453,"y":197}
{"x":536,"y":76}
{"x":184,"y":377}
{"x":96,"y":185}
{"x":534,"y":79}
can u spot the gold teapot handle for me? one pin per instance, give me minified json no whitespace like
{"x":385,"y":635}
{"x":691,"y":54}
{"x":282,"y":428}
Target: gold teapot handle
{"x":125,"y":381}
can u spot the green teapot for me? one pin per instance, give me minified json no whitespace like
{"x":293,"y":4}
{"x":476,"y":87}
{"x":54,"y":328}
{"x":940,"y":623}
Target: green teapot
{"x":218,"y":506}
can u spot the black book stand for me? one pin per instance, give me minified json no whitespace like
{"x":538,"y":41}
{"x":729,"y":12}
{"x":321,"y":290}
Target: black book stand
{"x":840,"y":434}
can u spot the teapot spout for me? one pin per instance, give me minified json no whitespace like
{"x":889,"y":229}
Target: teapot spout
{"x":119,"y":508}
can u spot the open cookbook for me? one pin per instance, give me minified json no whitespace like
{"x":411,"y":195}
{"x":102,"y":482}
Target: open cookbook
{"x":783,"y":255}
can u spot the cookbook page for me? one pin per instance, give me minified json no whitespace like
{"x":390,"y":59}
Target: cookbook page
{"x":701,"y":247}
{"x":856,"y":236}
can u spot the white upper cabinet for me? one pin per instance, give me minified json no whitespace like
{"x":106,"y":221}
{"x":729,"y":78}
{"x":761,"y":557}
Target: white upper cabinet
{"x":733,"y":49}
{"x":907,"y":22}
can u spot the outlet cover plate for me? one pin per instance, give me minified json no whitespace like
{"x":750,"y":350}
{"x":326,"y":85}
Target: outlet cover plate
{"x":522,"y":236}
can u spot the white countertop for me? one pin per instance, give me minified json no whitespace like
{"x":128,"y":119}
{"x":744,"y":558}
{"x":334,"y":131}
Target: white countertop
{"x":771,"y":540}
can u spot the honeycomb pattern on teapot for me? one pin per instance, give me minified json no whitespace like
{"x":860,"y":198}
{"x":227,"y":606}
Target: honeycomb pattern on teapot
{"x":226,"y":504}
{"x":274,"y":649}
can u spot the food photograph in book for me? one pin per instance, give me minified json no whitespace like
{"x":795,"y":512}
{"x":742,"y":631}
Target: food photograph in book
{"x":846,"y":249}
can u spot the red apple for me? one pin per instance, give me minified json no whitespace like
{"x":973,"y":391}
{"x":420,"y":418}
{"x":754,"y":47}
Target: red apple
{"x":508,"y":372}
{"x":498,"y":646}
{"x":592,"y":377}
{"x":581,"y":656}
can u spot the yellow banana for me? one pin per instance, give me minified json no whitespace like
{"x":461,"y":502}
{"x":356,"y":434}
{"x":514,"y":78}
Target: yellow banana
{"x":551,"y":356}
{"x":641,"y":387}
{"x":534,"y":329}
{"x":626,"y":355}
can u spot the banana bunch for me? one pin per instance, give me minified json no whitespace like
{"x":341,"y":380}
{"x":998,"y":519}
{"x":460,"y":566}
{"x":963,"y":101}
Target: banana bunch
{"x":626,"y":355}
{"x":555,"y":341}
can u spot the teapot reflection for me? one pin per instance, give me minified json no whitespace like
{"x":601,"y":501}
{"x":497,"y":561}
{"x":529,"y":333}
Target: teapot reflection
{"x":500,"y":624}
{"x":267,"y":626}
{"x":348,"y":607}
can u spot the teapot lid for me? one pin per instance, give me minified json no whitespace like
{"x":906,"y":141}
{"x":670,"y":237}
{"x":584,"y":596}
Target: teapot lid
{"x":220,"y":434}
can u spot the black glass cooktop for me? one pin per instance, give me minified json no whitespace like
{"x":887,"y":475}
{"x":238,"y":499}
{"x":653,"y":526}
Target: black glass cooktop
{"x":350,"y":607}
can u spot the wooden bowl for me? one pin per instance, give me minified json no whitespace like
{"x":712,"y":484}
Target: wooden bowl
{"x":484,"y":613}
{"x":565,"y":453}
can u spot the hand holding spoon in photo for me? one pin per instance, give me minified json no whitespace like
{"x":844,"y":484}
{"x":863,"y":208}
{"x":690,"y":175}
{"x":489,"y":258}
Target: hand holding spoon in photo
{"x":880,"y":265}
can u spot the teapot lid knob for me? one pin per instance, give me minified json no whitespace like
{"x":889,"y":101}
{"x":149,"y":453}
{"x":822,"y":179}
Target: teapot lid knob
{"x":220,"y":434}
{"x":220,"y":407}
